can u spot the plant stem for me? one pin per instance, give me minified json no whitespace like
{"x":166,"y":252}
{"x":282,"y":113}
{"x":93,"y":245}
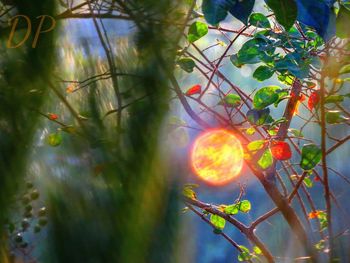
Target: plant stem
{"x":324,"y":167}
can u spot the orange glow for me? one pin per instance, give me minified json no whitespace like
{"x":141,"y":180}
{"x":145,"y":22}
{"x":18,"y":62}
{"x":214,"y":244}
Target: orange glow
{"x":217,"y":157}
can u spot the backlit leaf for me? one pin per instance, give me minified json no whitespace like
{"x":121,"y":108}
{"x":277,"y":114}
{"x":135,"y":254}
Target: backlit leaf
{"x":231,"y":100}
{"x":231,"y":209}
{"x":314,"y":99}
{"x":257,"y":250}
{"x":265,"y":97}
{"x":256,"y":145}
{"x":280,"y":150}
{"x":217,"y":221}
{"x":320,"y":245}
{"x":308,"y":182}
{"x":244,"y":255}
{"x":188,"y":191}
{"x":54,"y":139}
{"x":266,"y":160}
{"x":250,"y":131}
{"x":310,"y":156}
{"x":196,"y":31}
{"x":52,"y":116}
{"x":244,"y":206}
{"x":196,"y":89}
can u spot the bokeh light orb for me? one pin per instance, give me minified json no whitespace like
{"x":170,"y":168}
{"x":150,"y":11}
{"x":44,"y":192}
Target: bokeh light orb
{"x":217,"y":157}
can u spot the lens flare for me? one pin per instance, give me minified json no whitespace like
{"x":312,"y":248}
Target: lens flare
{"x":217,"y":157}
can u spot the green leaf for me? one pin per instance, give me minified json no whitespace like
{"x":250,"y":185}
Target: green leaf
{"x":186,"y":64}
{"x":308,"y":182}
{"x":310,"y":84}
{"x":272,"y":132}
{"x":278,"y":121}
{"x":282,"y":94}
{"x":258,"y":49}
{"x":342,"y":23}
{"x":258,"y":117}
{"x":259,"y":20}
{"x":217,"y":221}
{"x":196,"y":31}
{"x":54,"y":139}
{"x":231,"y":100}
{"x":345,"y":69}
{"x":250,"y":131}
{"x":217,"y":231}
{"x":244,"y":255}
{"x":335,"y":117}
{"x":242,"y":10}
{"x":255,"y":149}
{"x":320,"y":245}
{"x":257,"y":250}
{"x":334,"y":99}
{"x":266,"y":160}
{"x":263,"y":73}
{"x":256,"y":145}
{"x":235,"y":61}
{"x":265,"y":97}
{"x":231,"y":209}
{"x":285,"y":11}
{"x":286,"y":79}
{"x":215,"y":11}
{"x":322,"y":216}
{"x":244,"y":206}
{"x":294,"y":64}
{"x":249,"y":54}
{"x":295,"y":132}
{"x":310,"y":156}
{"x":188,"y":191}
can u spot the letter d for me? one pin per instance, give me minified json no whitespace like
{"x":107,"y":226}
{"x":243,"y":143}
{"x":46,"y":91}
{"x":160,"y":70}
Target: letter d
{"x":13,"y":30}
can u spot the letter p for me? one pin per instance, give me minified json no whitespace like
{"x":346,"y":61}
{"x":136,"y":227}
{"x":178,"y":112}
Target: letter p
{"x":39,"y":29}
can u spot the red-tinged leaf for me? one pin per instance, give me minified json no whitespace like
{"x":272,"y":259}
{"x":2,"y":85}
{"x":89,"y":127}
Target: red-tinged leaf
{"x":314,"y":99}
{"x":280,"y":150}
{"x":314,"y":214}
{"x":70,"y":88}
{"x":317,"y":179}
{"x":196,"y":89}
{"x":53,"y":116}
{"x":311,"y":85}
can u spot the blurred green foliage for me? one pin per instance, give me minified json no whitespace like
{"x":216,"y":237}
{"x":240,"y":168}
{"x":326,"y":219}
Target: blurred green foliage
{"x":127,"y":210}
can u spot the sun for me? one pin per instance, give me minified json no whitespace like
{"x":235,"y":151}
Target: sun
{"x":217,"y":157}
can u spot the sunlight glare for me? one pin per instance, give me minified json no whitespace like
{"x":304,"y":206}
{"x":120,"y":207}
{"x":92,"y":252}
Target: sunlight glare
{"x":217,"y":157}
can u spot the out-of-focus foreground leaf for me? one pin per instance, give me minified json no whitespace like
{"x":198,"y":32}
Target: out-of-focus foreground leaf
{"x":23,"y":86}
{"x":128,"y":213}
